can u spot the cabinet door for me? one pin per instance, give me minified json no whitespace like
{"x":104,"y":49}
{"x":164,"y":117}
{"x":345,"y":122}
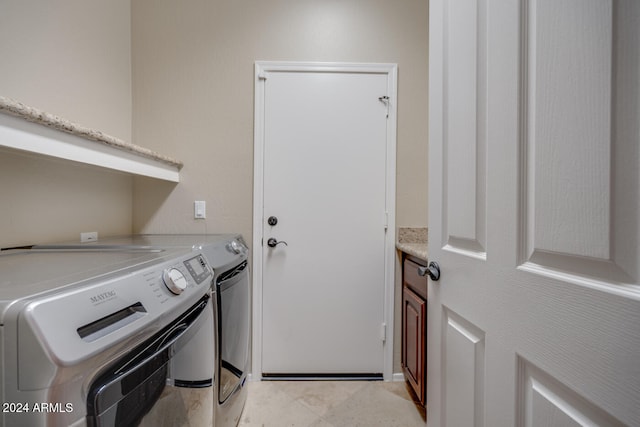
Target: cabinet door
{"x":412,"y":278}
{"x":414,"y":310}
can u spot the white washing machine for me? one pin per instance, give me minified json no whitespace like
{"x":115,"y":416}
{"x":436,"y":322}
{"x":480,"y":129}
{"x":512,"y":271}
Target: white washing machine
{"x":227,"y":255}
{"x":100,"y":337}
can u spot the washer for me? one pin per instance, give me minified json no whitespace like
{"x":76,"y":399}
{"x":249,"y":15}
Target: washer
{"x":227,"y":255}
{"x":99,"y":337}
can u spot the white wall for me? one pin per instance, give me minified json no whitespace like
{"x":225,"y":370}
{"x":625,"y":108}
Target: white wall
{"x":71,"y":58}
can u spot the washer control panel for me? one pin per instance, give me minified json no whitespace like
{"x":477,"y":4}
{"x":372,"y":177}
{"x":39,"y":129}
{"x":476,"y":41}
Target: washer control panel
{"x":176,"y":282}
{"x":73,"y":325}
{"x":198,"y":268}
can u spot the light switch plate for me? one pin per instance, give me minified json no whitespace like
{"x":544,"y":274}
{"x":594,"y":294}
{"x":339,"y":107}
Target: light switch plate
{"x":200,"y":209}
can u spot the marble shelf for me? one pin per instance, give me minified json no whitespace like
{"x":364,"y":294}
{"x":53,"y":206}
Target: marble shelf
{"x":29,"y":129}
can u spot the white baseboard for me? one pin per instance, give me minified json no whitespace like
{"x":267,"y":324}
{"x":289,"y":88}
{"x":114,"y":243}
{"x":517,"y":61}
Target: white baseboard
{"x":398,"y":376}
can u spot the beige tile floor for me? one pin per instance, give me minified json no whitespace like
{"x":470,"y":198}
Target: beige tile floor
{"x":330,"y":404}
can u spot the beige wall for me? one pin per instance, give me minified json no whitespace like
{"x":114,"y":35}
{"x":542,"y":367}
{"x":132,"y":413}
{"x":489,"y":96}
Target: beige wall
{"x":193,"y":64}
{"x":192,"y":77}
{"x":71,"y":58}
{"x":54,"y":200}
{"x":193,"y":94}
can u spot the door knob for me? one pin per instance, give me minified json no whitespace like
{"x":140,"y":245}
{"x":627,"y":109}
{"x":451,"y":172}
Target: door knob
{"x":272,"y":243}
{"x":433,"y":271}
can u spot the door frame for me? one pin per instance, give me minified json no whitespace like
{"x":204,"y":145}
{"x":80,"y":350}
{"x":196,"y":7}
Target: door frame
{"x":261,"y":70}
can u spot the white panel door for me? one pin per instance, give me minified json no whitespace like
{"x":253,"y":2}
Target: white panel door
{"x":534,"y":213}
{"x":325,"y":180}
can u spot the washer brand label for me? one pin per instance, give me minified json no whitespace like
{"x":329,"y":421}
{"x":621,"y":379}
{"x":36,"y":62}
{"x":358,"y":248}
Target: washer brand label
{"x":100,"y":298}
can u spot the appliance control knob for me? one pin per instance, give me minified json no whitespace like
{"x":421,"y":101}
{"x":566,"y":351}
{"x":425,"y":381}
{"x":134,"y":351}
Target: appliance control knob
{"x":174,"y":280}
{"x":237,"y":247}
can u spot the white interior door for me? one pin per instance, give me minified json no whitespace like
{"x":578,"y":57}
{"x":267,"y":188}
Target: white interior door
{"x":534,"y":213}
{"x":325,"y":181}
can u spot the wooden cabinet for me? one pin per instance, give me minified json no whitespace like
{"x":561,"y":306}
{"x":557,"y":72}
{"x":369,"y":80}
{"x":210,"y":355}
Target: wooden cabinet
{"x":411,"y":278}
{"x":414,"y":326}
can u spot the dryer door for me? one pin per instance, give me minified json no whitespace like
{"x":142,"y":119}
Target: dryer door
{"x":233,"y":329}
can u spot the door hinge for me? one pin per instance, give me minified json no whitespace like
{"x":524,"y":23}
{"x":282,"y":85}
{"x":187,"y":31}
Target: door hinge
{"x":385,"y":99}
{"x":383,"y":332}
{"x":262,"y":76}
{"x":386,"y":221}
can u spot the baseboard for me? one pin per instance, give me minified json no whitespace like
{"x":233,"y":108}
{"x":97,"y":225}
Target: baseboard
{"x":398,"y":376}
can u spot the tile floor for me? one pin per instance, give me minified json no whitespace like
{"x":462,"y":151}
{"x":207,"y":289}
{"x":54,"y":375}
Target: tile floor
{"x":330,"y":404}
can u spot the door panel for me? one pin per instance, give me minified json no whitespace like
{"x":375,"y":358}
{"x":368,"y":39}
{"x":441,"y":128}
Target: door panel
{"x":546,"y":402}
{"x":324,"y":179}
{"x":539,"y":323}
{"x":568,"y":66}
{"x":464,"y":143}
{"x":463,"y":350}
{"x":586,"y":182}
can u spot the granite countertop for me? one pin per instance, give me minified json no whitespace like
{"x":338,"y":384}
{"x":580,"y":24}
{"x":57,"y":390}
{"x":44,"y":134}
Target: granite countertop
{"x":413,"y":241}
{"x":14,"y":108}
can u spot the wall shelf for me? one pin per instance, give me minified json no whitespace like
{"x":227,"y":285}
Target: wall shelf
{"x":28,"y":129}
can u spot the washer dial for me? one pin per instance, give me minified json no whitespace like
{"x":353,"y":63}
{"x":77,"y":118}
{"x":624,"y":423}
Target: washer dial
{"x":237,"y":247}
{"x":174,"y":280}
